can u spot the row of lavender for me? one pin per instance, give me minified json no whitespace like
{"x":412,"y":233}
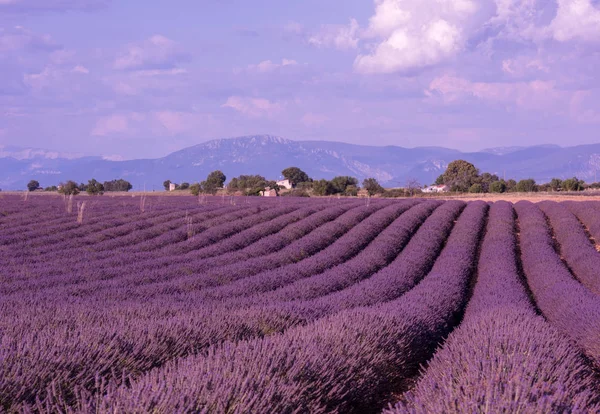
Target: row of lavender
{"x":141,"y":345}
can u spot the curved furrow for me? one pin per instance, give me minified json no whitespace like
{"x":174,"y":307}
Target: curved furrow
{"x":588,"y":214}
{"x":567,"y":304}
{"x":348,"y":362}
{"x":503,"y":357}
{"x":574,"y":245}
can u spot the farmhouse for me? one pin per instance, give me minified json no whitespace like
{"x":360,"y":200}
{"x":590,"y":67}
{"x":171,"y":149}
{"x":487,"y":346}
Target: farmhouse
{"x":172,"y":186}
{"x":436,"y":189}
{"x":285,"y":184}
{"x":268,"y":192}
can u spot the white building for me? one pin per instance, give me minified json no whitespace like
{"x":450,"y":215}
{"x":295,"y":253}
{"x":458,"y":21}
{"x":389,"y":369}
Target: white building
{"x":269,"y":192}
{"x":172,"y":186}
{"x":285,"y":184}
{"x":436,"y":189}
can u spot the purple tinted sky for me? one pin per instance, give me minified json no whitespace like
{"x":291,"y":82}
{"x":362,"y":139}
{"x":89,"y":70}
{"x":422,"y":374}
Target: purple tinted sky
{"x":143,"y":78}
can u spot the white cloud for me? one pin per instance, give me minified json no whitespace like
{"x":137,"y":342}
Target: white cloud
{"x":18,"y":39}
{"x":576,"y":19}
{"x":156,"y":53}
{"x":419,"y":33}
{"x":268,"y":66}
{"x":81,"y":69}
{"x":253,"y":107}
{"x":337,"y":36}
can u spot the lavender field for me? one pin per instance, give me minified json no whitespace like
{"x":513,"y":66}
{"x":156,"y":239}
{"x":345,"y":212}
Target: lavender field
{"x":253,"y":305}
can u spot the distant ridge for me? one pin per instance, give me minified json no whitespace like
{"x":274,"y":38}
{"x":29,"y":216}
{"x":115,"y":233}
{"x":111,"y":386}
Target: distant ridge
{"x":268,"y":155}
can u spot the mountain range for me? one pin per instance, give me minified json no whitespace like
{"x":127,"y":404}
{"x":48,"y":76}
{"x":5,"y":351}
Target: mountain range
{"x":268,"y":155}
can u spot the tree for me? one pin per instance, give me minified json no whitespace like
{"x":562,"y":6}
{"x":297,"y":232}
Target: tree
{"x":167,"y":185}
{"x":511,"y":185}
{"x":82,"y":187}
{"x":69,"y":188}
{"x":439,"y":180}
{"x":33,"y":185}
{"x":372,"y":186}
{"x":498,"y":187}
{"x":184,"y":186}
{"x":93,"y":187}
{"x":460,"y":175}
{"x":526,"y":186}
{"x":195,"y":189}
{"x":555,"y":184}
{"x":340,"y":183}
{"x":214,"y":181}
{"x":117,"y":185}
{"x":323,"y":188}
{"x":486,"y":179}
{"x":413,"y":186}
{"x":476,"y":188}
{"x":295,"y":175}
{"x":351,"y":191}
{"x":573,"y":184}
{"x":51,"y":188}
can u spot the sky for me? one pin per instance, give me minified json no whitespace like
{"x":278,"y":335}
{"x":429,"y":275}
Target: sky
{"x":140,"y":79}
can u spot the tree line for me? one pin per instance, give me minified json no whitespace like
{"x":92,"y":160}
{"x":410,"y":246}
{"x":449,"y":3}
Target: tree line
{"x":463,"y":177}
{"x":460,"y":177}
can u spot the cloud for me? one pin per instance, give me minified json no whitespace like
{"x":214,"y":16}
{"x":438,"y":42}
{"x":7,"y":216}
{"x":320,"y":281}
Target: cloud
{"x":179,"y":122}
{"x":576,"y":20}
{"x":311,"y":119}
{"x":337,"y":36}
{"x":80,"y":69}
{"x":156,"y":53}
{"x":252,"y":107}
{"x":535,"y":95}
{"x":17,"y":39}
{"x":414,"y":34}
{"x":110,"y":125}
{"x":268,"y":66}
{"x":26,"y":6}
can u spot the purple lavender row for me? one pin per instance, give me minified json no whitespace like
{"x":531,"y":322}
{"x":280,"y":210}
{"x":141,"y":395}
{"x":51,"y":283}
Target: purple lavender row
{"x":125,"y":336}
{"x":588,"y":214}
{"x":349,"y":362}
{"x":573,"y":243}
{"x":73,"y":257}
{"x":343,"y":252}
{"x":503,"y":357}
{"x":567,"y":304}
{"x":297,"y":252}
{"x":390,"y":240}
{"x":157,"y":277}
{"x":41,"y":278}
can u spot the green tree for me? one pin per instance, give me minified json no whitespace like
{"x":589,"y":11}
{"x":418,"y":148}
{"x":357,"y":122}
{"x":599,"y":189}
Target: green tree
{"x":511,"y":185}
{"x":526,"y":186}
{"x":295,"y":175}
{"x":498,"y":187}
{"x":93,"y":187}
{"x":372,"y":186}
{"x":460,"y":175}
{"x":340,"y":183}
{"x":323,"y":188}
{"x":439,"y":180}
{"x":51,"y":188}
{"x":486,"y":179}
{"x":214,"y":181}
{"x":167,"y":184}
{"x":33,"y":185}
{"x":69,"y":188}
{"x":184,"y":186}
{"x":573,"y":184}
{"x":555,"y":184}
{"x":195,"y":189}
{"x":117,"y":185}
{"x":476,"y":188}
{"x":351,"y":191}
